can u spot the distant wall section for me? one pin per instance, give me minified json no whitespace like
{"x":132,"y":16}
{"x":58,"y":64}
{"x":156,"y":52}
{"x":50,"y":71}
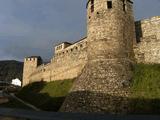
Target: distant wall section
{"x":67,"y":63}
{"x":30,"y":65}
{"x":147,"y":49}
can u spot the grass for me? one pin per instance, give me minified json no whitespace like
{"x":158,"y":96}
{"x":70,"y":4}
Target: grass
{"x":43,"y":95}
{"x":146,"y":88}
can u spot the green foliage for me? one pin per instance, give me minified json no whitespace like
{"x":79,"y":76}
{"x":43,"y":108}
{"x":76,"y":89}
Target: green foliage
{"x":46,"y":96}
{"x":146,"y":81}
{"x":58,"y":88}
{"x":146,"y":88}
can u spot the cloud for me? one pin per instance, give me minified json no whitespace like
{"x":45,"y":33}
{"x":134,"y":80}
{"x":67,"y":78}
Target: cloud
{"x":33,"y":27}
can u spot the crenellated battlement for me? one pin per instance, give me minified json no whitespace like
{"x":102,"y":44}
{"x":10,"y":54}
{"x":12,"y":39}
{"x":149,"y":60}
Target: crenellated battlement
{"x":102,"y":61}
{"x":68,"y":57}
{"x":72,"y":48}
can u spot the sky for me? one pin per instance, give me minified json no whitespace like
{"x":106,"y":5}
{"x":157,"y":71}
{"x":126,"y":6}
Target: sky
{"x":34,"y":27}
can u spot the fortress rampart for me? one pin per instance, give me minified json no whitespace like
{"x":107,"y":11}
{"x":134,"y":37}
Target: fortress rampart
{"x":102,"y":63}
{"x":70,"y":59}
{"x":147,"y":49}
{"x":67,"y":63}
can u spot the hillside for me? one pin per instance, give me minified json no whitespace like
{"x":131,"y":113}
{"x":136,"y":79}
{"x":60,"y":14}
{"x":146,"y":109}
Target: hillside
{"x":46,"y":96}
{"x":145,"y":90}
{"x":10,"y":69}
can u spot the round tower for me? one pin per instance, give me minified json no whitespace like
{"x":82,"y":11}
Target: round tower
{"x":110,"y":29}
{"x":104,"y":83}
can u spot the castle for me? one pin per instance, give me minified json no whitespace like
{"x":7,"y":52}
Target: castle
{"x":102,"y":61}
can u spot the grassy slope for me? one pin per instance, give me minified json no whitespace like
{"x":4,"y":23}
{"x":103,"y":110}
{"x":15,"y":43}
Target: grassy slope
{"x":146,"y":89}
{"x":46,"y":96}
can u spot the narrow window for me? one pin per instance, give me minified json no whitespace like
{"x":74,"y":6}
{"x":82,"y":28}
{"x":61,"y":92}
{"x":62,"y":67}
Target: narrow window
{"x":92,"y":5}
{"x":81,"y":45}
{"x":124,"y":5}
{"x":109,"y":4}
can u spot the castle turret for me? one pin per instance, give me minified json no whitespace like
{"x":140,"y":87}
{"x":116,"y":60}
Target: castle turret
{"x":104,"y":83}
{"x":30,"y":64}
{"x":110,"y":29}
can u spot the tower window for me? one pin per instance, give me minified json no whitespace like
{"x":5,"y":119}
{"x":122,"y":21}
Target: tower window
{"x":92,"y":5}
{"x":109,"y":4}
{"x":124,"y":6}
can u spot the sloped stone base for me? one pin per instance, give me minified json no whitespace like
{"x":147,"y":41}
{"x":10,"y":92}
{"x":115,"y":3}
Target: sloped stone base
{"x":102,"y":87}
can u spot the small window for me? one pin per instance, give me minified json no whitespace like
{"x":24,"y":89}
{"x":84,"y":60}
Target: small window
{"x":109,"y":4}
{"x":92,"y":5}
{"x":76,"y":48}
{"x":124,"y":6}
{"x":81,"y":45}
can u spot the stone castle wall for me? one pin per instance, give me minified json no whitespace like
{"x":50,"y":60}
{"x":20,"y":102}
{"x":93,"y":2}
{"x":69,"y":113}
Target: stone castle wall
{"x":69,"y":62}
{"x":147,"y":49}
{"x":30,"y":65}
{"x":102,"y":63}
{"x":66,"y":64}
{"x":108,"y":72}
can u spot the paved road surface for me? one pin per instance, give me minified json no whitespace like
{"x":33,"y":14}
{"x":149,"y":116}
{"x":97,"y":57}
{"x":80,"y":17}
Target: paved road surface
{"x":9,"y":118}
{"x":39,"y":115}
{"x":23,"y":102}
{"x":3,"y":99}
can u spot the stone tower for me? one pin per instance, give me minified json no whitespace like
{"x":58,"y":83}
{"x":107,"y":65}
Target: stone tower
{"x":30,"y":64}
{"x":104,"y":83}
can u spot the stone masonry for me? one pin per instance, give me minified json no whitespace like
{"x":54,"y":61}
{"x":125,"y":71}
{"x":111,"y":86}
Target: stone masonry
{"x":147,"y":49}
{"x":104,"y":83}
{"x":102,"y":62}
{"x":67,"y":63}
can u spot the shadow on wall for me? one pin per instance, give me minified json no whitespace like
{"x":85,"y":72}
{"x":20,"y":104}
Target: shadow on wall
{"x":138,"y":29}
{"x":96,"y":102}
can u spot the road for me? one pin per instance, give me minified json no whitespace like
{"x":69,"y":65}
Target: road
{"x":10,"y":118}
{"x":19,"y":114}
{"x":3,"y":99}
{"x":41,"y":115}
{"x":24,"y":102}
